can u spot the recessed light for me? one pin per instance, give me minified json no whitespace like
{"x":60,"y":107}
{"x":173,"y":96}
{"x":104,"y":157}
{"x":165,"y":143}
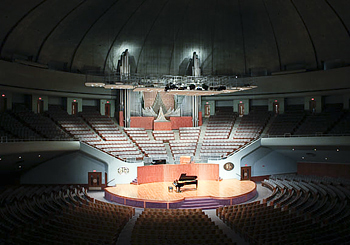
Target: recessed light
{"x":302,"y":157}
{"x":315,"y":149}
{"x":19,"y":166}
{"x":19,"y":157}
{"x":293,"y":149}
{"x":338,"y":150}
{"x":326,"y":158}
{"x":39,"y":155}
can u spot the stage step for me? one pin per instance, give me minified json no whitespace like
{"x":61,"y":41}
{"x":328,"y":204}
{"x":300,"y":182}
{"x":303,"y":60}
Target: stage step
{"x":203,"y":203}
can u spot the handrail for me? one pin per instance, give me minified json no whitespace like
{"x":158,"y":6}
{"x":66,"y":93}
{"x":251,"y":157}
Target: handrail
{"x":4,"y":139}
{"x":318,"y":134}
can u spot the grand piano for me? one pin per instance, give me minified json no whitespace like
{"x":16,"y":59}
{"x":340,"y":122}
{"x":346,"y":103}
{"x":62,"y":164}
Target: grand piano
{"x":185,"y":180}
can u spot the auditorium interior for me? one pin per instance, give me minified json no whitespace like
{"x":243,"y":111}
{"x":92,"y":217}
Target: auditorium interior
{"x":175,"y":122}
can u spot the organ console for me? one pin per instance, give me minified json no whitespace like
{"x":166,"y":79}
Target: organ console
{"x":185,"y":180}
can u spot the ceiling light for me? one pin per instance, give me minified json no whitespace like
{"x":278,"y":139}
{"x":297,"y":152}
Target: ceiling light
{"x":91,"y":84}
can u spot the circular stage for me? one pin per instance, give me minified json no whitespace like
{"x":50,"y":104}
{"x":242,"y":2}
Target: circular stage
{"x":210,"y":194}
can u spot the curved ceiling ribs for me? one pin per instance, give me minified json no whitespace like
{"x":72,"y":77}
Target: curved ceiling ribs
{"x":87,"y":31}
{"x":54,"y":28}
{"x":337,"y":14}
{"x":308,"y":32}
{"x":16,"y":24}
{"x":231,"y":37}
{"x":148,"y":32}
{"x":274,"y":34}
{"x":117,"y":35}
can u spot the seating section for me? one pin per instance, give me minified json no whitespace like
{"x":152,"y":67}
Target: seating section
{"x":182,"y":148}
{"x":58,"y":215}
{"x":74,"y":125}
{"x":15,"y":129}
{"x":215,"y":142}
{"x":287,"y":123}
{"x":153,"y":149}
{"x":342,"y":126}
{"x":187,"y":144}
{"x":164,"y":136}
{"x":301,"y":208}
{"x":176,"y":226}
{"x":320,"y":123}
{"x":220,"y":148}
{"x":252,"y":125}
{"x":102,"y":133}
{"x":114,"y":141}
{"x":39,"y":123}
{"x":189,"y":133}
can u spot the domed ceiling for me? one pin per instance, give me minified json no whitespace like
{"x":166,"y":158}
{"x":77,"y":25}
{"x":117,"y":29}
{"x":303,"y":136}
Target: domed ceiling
{"x":230,"y":36}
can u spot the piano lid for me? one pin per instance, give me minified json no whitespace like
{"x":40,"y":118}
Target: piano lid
{"x":187,"y":177}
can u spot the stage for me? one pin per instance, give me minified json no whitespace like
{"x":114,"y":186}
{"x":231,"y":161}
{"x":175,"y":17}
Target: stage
{"x":210,"y":194}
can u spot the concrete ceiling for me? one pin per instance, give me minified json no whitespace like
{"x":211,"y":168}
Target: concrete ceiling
{"x":230,"y":36}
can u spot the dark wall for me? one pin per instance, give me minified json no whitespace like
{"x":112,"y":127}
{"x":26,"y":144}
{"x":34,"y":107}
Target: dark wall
{"x":324,"y":169}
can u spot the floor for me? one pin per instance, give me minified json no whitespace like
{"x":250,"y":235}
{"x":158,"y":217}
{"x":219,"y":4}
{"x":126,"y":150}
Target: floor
{"x":158,"y":191}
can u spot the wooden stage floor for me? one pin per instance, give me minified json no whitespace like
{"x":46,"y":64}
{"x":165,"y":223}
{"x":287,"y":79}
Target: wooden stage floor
{"x":158,"y":192}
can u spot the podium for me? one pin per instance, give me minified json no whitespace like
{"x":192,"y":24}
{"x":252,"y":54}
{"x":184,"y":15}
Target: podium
{"x":185,"y":159}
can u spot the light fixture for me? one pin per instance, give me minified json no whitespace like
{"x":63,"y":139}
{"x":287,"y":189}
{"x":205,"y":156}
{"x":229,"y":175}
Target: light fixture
{"x":94,"y":85}
{"x":118,"y":86}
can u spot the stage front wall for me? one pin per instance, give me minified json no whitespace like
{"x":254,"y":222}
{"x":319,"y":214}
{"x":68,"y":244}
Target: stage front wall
{"x":171,"y":172}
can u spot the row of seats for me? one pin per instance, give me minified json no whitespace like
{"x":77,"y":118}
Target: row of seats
{"x":107,"y":129}
{"x":150,"y":148}
{"x":90,"y":127}
{"x":298,"y":210}
{"x":164,"y":136}
{"x":58,"y":215}
{"x":39,"y":123}
{"x":14,"y":129}
{"x":176,"y":226}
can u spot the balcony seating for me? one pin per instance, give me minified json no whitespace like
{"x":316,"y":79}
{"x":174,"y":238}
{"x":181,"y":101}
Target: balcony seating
{"x":98,"y":131}
{"x":320,"y":123}
{"x":164,"y":136}
{"x":16,"y":129}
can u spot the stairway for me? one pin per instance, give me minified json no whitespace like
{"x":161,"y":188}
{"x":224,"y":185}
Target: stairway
{"x":203,"y":203}
{"x":267,"y":127}
{"x":234,"y":128}
{"x":201,"y":137}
